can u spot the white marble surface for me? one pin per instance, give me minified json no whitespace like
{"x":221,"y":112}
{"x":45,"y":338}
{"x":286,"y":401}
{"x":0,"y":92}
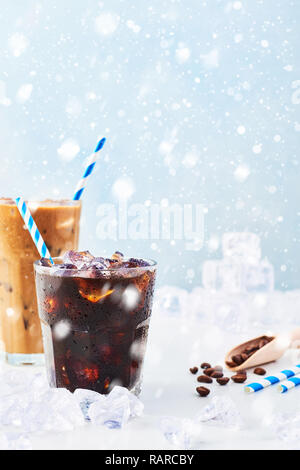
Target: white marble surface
{"x":169,"y":390}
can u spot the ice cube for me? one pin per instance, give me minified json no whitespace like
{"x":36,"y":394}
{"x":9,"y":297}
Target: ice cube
{"x":235,"y":275}
{"x":96,"y":268}
{"x":113,"y":415}
{"x":100,"y":263}
{"x":136,"y":263}
{"x":29,"y":403}
{"x":36,"y":408}
{"x":78,"y":258}
{"x":57,"y":409}
{"x":45,"y":262}
{"x":179,"y":432}
{"x":243,"y":245}
{"x":258,"y":277}
{"x":86,"y":254}
{"x":85,"y":398}
{"x":232,"y":276}
{"x":211,"y":278}
{"x":64,"y":269}
{"x":221,"y":411}
{"x":118,"y":256}
{"x":66,"y":266}
{"x":224,"y":275}
{"x":115,"y":409}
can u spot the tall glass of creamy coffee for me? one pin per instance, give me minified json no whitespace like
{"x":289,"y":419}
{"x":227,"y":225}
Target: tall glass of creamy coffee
{"x":58,"y":223}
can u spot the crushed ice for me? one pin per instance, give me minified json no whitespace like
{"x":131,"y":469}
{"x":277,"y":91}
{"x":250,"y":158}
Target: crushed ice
{"x":220,"y":413}
{"x":27,"y":403}
{"x":181,"y":433}
{"x":116,"y":409}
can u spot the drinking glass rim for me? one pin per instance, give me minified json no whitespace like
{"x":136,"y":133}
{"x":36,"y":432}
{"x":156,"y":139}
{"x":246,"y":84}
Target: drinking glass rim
{"x":42,"y":202}
{"x":80,"y":273}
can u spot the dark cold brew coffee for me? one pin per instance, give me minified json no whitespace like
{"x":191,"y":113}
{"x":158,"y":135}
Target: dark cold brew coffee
{"x":95,"y":316}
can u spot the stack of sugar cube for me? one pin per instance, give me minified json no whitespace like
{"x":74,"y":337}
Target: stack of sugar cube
{"x":241,"y":269}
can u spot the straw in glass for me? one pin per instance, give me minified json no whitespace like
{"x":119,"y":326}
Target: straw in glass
{"x":88,"y":170}
{"x":33,"y":230}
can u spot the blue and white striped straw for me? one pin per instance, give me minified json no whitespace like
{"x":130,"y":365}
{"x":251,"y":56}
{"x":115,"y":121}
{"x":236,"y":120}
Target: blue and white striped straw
{"x":88,"y":170}
{"x":288,"y":384}
{"x":33,"y":230}
{"x":272,"y":379}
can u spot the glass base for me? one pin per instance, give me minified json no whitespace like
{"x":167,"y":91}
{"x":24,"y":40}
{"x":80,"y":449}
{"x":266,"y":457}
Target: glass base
{"x":2,"y":356}
{"x":17,"y":359}
{"x":136,"y":390}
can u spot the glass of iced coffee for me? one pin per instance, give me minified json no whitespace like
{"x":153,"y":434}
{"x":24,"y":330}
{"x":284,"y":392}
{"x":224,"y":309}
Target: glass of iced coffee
{"x":58,"y":222}
{"x":95,"y":315}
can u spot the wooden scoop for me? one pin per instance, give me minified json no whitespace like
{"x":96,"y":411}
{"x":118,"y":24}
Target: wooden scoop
{"x":270,"y":348}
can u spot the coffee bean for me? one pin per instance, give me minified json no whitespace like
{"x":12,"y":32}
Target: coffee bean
{"x":230,"y":364}
{"x":251,"y":353}
{"x":250,"y":350}
{"x":203,"y":391}
{"x":218,"y":368}
{"x":267,"y":339}
{"x":264,"y":340}
{"x":194,"y":370}
{"x":262,"y":343}
{"x":242,"y":372}
{"x":205,"y":365}
{"x":223,"y":380}
{"x":237,"y":359}
{"x":217,"y":374}
{"x":244,"y":356}
{"x":239,"y":378}
{"x":259,"y":371}
{"x":205,"y":379}
{"x":209,"y":371}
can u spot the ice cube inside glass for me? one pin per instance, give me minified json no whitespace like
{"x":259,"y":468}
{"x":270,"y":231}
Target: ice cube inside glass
{"x":95,"y":322}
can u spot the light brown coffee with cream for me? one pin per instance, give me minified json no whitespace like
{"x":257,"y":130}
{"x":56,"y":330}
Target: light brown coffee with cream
{"x":58,"y":223}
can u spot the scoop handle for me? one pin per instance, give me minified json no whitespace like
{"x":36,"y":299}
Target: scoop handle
{"x":295,"y":338}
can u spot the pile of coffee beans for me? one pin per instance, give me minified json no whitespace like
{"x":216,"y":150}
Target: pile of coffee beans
{"x":250,"y":349}
{"x":209,"y":373}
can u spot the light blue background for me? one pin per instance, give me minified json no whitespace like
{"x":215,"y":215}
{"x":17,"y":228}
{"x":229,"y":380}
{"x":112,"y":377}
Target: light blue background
{"x":142,"y":90}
